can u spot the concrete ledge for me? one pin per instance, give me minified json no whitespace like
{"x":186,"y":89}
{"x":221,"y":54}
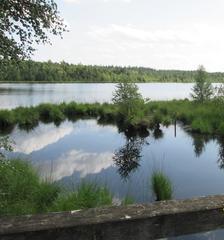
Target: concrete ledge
{"x":150,"y":221}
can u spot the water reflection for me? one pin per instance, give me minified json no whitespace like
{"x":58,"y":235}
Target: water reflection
{"x":85,"y":150}
{"x":127,"y":158}
{"x":221,"y":153}
{"x":157,"y":133}
{"x":40,"y":137}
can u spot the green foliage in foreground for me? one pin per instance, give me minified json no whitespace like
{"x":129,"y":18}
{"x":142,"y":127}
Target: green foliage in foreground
{"x":23,"y":192}
{"x":86,"y":196}
{"x":30,"y":71}
{"x":161,"y":186}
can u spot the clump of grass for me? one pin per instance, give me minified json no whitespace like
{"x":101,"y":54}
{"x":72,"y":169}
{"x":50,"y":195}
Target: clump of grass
{"x":27,"y":118}
{"x":50,"y":113}
{"x":201,"y":126}
{"x":87,"y":195}
{"x":22,"y":191}
{"x":161,"y":186}
{"x":7,"y":119}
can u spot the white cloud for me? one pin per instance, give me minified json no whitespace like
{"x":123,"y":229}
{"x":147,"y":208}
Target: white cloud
{"x":39,"y":138}
{"x":78,"y":161}
{"x":134,"y":36}
{"x":179,"y":46}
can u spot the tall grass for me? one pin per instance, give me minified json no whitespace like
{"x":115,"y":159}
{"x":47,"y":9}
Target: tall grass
{"x":87,"y":195}
{"x":205,"y":118}
{"x":23,"y":192}
{"x":161,"y":186}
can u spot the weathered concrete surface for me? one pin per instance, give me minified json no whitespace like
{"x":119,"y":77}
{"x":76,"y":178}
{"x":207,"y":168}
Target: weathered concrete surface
{"x":151,"y":221}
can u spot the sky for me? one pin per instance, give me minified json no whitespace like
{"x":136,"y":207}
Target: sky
{"x":160,"y":34}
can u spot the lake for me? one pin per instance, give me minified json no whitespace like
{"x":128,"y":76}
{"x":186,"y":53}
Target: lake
{"x":85,"y":150}
{"x":14,"y":95}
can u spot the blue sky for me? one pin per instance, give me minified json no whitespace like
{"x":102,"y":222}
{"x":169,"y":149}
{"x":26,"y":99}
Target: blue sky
{"x":162,"y":34}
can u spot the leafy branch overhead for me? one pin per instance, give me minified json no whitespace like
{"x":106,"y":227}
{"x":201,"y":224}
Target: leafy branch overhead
{"x":25,"y":22}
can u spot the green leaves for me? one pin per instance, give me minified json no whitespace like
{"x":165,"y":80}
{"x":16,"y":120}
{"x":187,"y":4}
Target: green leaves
{"x":25,"y":22}
{"x":202,"y":89}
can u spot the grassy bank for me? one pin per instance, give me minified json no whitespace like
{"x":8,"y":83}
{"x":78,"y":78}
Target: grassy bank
{"x":23,"y":192}
{"x":206,"y":117}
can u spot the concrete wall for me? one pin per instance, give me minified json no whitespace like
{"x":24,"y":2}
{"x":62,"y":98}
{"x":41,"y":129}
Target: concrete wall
{"x":151,"y":221}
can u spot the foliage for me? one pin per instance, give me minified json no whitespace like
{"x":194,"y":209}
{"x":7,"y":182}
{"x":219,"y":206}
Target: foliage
{"x":161,"y":186}
{"x":6,"y":119}
{"x":25,"y":22}
{"x":201,"y":117}
{"x":202,"y":89}
{"x":27,"y":118}
{"x":30,"y":71}
{"x":21,"y":190}
{"x":5,"y":145}
{"x":50,"y":113}
{"x":219,"y":94}
{"x":128,"y":100}
{"x":87,"y":195}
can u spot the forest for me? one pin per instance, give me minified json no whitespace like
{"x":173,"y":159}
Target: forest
{"x":32,"y":71}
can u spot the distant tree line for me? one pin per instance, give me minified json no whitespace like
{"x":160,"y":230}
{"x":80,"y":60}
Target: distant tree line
{"x":31,"y":71}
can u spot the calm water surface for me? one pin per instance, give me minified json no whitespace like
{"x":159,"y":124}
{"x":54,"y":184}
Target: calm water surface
{"x":14,"y":95}
{"x":84,"y":150}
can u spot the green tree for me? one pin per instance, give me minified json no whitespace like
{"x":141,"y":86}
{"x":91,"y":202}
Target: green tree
{"x":25,"y":22}
{"x":128,"y":99}
{"x":202,"y":89}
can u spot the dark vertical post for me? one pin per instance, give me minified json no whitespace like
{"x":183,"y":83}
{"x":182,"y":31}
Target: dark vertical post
{"x":175,"y":127}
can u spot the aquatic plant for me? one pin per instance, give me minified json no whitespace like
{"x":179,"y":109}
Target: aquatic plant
{"x":161,"y":186}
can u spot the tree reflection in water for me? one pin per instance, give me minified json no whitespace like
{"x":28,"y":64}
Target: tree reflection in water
{"x":221,"y":153}
{"x":127,"y":158}
{"x":199,"y":142}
